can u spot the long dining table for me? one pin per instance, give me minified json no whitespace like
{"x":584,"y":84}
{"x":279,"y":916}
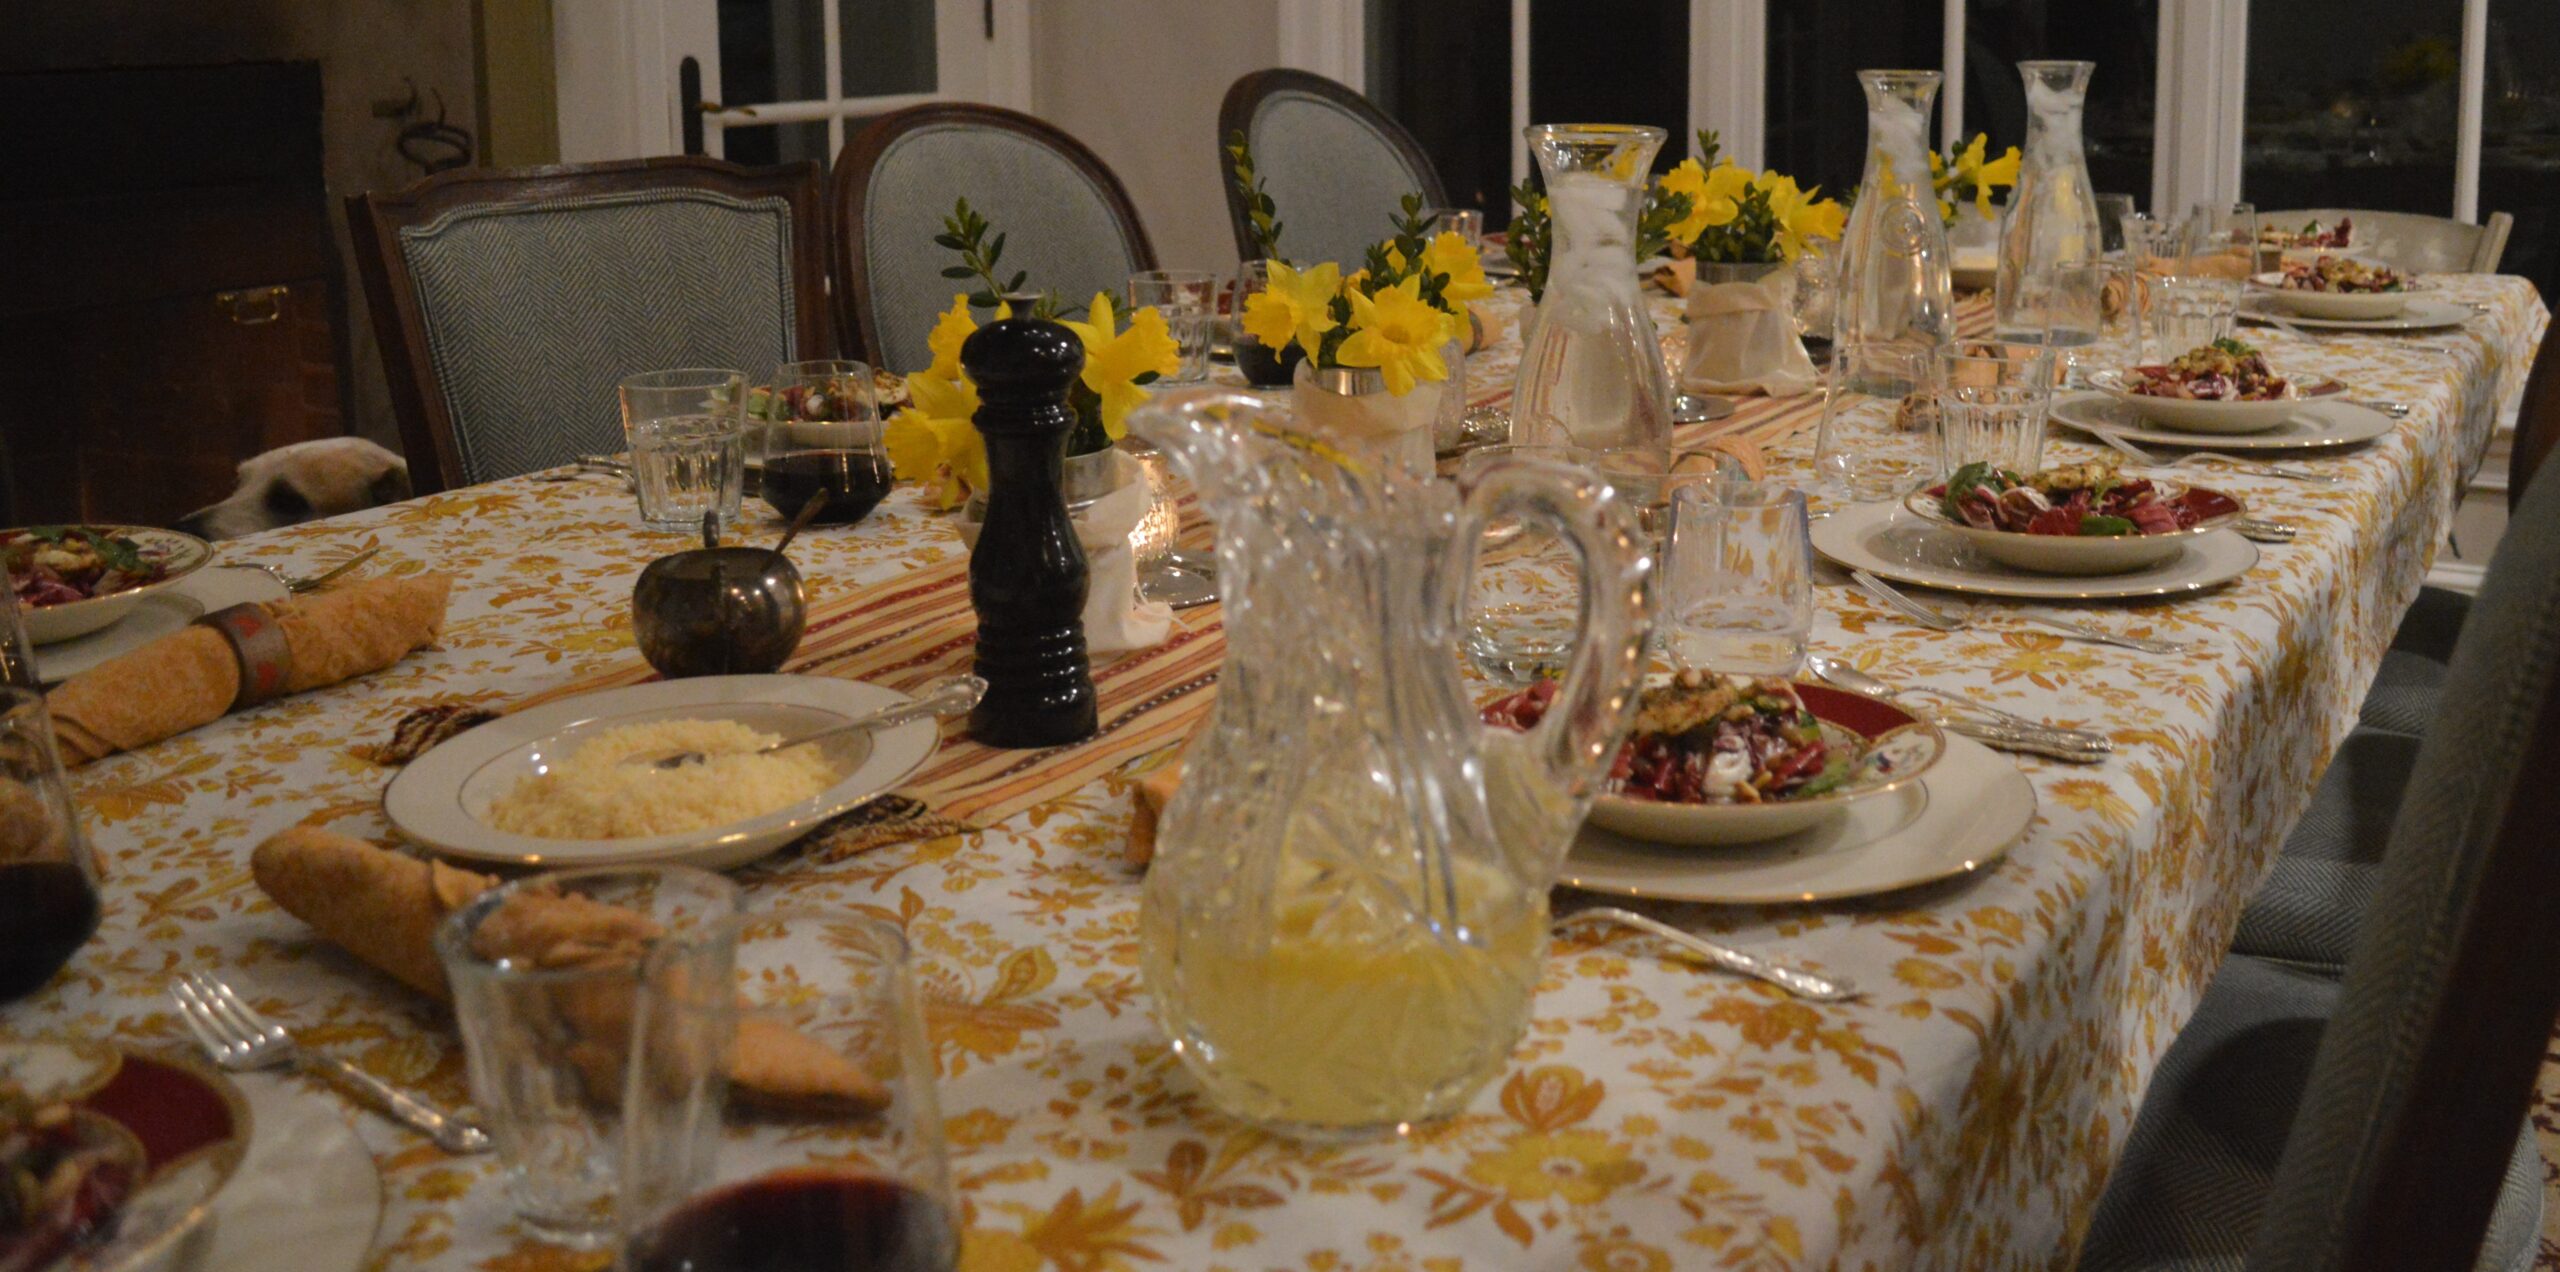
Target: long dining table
{"x":1964,"y":1113}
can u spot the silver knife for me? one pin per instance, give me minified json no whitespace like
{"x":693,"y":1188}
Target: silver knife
{"x":2069,"y":745}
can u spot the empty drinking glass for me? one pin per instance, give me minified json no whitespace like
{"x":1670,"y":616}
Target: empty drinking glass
{"x":1992,"y":400}
{"x":2112,"y":211}
{"x":2187,"y":312}
{"x":688,"y":434}
{"x":1517,"y":626}
{"x":858,"y":1179}
{"x":1466,"y":223}
{"x":1867,"y":446}
{"x":1188,"y":300}
{"x":546,"y":976}
{"x":2220,"y":242}
{"x":1737,"y":579}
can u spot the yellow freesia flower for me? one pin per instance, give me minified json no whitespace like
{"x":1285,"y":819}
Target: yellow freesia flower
{"x":1297,"y":306}
{"x":1114,"y":359}
{"x":1799,"y":216}
{"x":1449,"y":254}
{"x":1399,"y":334}
{"x":1715,"y":197}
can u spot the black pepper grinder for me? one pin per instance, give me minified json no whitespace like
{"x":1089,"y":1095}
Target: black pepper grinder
{"x":1027,"y":577}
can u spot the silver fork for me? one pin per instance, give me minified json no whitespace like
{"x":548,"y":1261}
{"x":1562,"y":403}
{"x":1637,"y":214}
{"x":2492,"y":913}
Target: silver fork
{"x":297,"y":586}
{"x":1946,"y":622}
{"x":2250,"y":466}
{"x":1810,"y":986}
{"x":239,"y":1038}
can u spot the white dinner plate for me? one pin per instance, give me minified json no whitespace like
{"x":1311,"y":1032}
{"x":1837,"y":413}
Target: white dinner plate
{"x":1888,"y":541}
{"x":1959,"y":819}
{"x":2315,"y":426}
{"x":2424,"y":313}
{"x":307,"y":1196}
{"x":439,"y":800}
{"x":157,"y":615}
{"x":2219,"y":418}
{"x":2269,"y":289}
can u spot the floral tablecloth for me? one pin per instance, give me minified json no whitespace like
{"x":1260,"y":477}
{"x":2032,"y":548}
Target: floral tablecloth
{"x":1964,"y":1114}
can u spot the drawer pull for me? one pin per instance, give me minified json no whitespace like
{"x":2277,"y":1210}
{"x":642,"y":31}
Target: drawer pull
{"x":255,"y":307}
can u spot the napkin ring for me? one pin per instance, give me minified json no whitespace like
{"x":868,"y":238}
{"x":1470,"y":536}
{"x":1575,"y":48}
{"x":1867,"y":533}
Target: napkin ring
{"x":258,"y":646}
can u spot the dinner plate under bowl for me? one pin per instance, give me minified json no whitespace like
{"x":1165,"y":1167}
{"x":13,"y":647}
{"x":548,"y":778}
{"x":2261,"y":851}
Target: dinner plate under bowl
{"x":1896,"y":748}
{"x":160,"y":613}
{"x":2315,"y":427}
{"x":2083,"y":554}
{"x":184,"y":554}
{"x":2366,"y":306}
{"x":442,"y":797}
{"x":1961,"y":818}
{"x":193,"y":1126}
{"x":2191,"y":416}
{"x":2423,"y":314}
{"x":1886,"y":540}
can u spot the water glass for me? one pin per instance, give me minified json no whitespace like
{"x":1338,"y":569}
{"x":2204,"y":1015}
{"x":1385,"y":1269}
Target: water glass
{"x":819,"y":438}
{"x":688,"y":435}
{"x":2221,"y":242}
{"x":2112,"y":211}
{"x":2187,"y":312}
{"x":1873,"y":406}
{"x":1817,"y":297}
{"x":546,"y":997}
{"x":1519,"y":623}
{"x":1167,"y":572}
{"x":712,"y":1182}
{"x":1993,"y":398}
{"x":1737,"y":580}
{"x":1188,"y":300}
{"x":1466,"y":223}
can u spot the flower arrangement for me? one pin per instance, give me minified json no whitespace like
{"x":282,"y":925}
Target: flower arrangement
{"x":1965,"y":175}
{"x":1394,"y":314}
{"x":935,"y":438}
{"x":1706,"y":207}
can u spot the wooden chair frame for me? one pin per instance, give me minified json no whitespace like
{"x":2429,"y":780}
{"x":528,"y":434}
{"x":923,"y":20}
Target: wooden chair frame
{"x":374,"y":222}
{"x":1244,"y":100}
{"x":857,"y":318}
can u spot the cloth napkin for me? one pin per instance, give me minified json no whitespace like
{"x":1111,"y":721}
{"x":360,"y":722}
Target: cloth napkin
{"x":384,"y":908}
{"x":1742,"y":339}
{"x":192,"y":677}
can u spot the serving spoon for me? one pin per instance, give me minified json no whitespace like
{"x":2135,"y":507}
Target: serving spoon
{"x":950,"y":695}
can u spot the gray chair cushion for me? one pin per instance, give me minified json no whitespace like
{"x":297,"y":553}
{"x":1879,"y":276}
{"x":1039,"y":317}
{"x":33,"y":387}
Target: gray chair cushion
{"x":1334,"y":177}
{"x":2313,"y":902}
{"x":2403,"y":695}
{"x":2433,"y":621}
{"x":2193,"y":1181}
{"x":535,"y":311}
{"x":1057,"y":222}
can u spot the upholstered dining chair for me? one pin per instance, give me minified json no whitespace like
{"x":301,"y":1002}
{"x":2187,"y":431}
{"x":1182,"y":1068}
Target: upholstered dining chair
{"x":1334,"y":164}
{"x":1067,"y":220}
{"x":2411,"y":241}
{"x":2372,"y":1121}
{"x":509,"y":303}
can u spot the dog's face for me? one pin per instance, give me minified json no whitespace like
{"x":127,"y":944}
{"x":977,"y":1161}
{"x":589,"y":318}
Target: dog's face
{"x":303,"y":482}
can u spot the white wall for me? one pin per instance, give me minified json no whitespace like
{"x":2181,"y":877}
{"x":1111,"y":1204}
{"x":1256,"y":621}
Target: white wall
{"x":1139,"y":81}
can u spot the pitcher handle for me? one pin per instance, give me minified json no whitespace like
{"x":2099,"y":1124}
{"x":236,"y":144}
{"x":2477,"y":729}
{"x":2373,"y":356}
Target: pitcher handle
{"x":1596,"y":702}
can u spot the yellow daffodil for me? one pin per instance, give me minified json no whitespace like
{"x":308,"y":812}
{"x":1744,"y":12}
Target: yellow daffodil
{"x":1799,"y":216}
{"x":950,"y":331}
{"x":1971,"y":168}
{"x":1714,"y":196}
{"x":1297,"y":306}
{"x":1399,"y":334}
{"x":2002,"y":171}
{"x":1114,"y":359}
{"x":1448,"y":253}
{"x":936,"y":439}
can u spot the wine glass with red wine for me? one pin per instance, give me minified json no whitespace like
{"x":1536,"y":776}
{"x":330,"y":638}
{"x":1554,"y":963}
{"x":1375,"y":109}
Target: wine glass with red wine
{"x":48,"y":895}
{"x":849,"y":1182}
{"x":821,"y":426}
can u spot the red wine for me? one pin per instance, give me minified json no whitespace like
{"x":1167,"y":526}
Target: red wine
{"x":47,"y":908}
{"x":854,"y":481}
{"x":813,"y":1219}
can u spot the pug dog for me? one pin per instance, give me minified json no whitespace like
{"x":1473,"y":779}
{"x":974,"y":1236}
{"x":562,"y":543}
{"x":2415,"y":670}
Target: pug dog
{"x":304,"y":482}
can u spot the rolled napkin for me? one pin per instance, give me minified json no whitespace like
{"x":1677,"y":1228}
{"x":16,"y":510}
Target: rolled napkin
{"x":194,"y":677}
{"x":1742,"y":339}
{"x":384,"y":907}
{"x":1149,"y":798}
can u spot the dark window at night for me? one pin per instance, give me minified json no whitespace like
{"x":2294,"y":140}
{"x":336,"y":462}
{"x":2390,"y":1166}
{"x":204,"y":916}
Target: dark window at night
{"x":1817,"y":116}
{"x":1443,"y":70}
{"x":2121,"y":36}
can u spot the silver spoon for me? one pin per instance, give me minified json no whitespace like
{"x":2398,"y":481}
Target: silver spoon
{"x":950,"y":695}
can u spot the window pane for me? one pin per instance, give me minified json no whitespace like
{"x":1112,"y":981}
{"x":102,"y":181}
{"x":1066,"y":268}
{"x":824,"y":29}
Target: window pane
{"x":1817,"y":116}
{"x":772,"y":51}
{"x":2520,"y":136}
{"x":2121,"y":36}
{"x":2352,"y":105}
{"x":1615,"y":62}
{"x":775,"y":143}
{"x":1442,"y":68}
{"x":888,"y":47}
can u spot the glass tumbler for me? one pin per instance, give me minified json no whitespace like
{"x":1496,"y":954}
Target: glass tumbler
{"x":48,"y":885}
{"x":1466,"y":223}
{"x":547,"y":980}
{"x":819,"y":438}
{"x":2221,"y":242}
{"x":1188,"y":300}
{"x":688,"y":434}
{"x":854,"y":1178}
{"x":2188,"y":312}
{"x":1993,"y":398}
{"x":1737,"y":580}
{"x":1520,"y":622}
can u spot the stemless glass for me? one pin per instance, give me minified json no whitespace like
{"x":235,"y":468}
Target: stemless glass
{"x":688,"y":435}
{"x":48,"y":893}
{"x":1188,"y":300}
{"x":1261,"y":365}
{"x":1518,"y":623}
{"x":1993,"y":398}
{"x":821,"y":440}
{"x":1865,"y":446}
{"x":2221,"y":242}
{"x":711,"y":1182}
{"x":1737,"y":579}
{"x":2187,"y":312}
{"x":1166,"y":572}
{"x":1817,"y":296}
{"x":546,"y":1022}
{"x":1466,"y":223}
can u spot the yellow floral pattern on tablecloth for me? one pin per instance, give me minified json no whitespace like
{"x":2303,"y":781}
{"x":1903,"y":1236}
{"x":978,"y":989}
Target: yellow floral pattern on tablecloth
{"x":1656,"y":1116}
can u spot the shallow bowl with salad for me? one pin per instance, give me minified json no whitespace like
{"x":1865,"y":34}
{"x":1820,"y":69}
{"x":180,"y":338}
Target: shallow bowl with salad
{"x":2223,"y":387}
{"x":1719,"y":760}
{"x":2080,"y":519}
{"x":2336,"y":287}
{"x":73,"y":580}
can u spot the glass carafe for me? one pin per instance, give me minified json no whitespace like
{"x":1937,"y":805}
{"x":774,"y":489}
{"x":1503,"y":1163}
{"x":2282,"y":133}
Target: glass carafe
{"x":2053,"y":214}
{"x":1592,"y":373}
{"x":1896,"y":303}
{"x":1347,"y":909}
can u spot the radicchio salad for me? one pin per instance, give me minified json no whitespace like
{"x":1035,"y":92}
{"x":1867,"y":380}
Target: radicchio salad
{"x":2082,"y":499}
{"x":2339,"y":275}
{"x":2312,"y":234}
{"x":2227,"y":370}
{"x":56,"y":565}
{"x":1703,"y":738}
